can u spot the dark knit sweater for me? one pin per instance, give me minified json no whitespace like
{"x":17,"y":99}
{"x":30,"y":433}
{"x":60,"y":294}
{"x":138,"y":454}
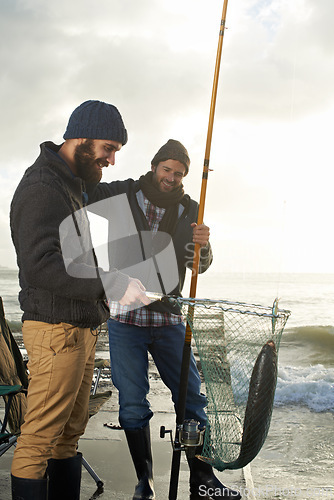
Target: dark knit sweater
{"x":182,"y":235}
{"x":47,"y":194}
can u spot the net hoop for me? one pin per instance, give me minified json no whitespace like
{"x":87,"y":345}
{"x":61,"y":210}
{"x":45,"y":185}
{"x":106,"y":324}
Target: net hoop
{"x":237,"y":307}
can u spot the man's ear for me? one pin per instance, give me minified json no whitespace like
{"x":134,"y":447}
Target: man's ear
{"x":78,"y":141}
{"x":153,"y":168}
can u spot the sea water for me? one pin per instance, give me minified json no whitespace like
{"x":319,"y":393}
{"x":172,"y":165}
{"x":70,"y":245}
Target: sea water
{"x":297,"y":459}
{"x":306,"y":357}
{"x":298,"y":456}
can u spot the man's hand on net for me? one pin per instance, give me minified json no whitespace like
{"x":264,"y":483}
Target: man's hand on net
{"x":134,"y":293}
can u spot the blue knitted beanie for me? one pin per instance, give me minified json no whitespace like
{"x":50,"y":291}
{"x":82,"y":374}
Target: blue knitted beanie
{"x":96,"y":120}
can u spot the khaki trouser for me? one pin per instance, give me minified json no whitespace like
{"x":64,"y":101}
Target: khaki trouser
{"x":61,"y":365}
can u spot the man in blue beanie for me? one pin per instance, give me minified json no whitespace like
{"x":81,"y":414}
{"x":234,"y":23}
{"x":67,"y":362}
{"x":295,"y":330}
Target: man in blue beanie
{"x":61,"y":312}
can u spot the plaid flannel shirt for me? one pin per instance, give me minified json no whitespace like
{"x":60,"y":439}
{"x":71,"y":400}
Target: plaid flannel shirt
{"x":143,"y":316}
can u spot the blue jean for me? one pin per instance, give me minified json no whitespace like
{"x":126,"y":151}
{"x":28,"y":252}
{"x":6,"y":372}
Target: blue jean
{"x":129,"y":346}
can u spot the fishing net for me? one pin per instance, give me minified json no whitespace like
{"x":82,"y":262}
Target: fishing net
{"x":237,"y":345}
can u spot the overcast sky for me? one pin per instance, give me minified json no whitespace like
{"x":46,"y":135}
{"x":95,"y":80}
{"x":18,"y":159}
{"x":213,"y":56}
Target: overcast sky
{"x":270,"y":195}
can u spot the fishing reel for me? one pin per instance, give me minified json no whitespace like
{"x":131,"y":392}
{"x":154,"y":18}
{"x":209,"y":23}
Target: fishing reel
{"x":187,"y":434}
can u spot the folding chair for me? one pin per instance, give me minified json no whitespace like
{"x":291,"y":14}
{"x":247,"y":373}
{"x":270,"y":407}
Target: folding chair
{"x":7,"y":439}
{"x":13,"y":389}
{"x":13,"y":385}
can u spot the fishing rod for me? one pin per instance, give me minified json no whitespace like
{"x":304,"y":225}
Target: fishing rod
{"x":181,"y":404}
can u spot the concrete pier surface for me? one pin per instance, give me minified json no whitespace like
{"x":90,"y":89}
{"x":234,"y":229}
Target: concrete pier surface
{"x":107,"y":452}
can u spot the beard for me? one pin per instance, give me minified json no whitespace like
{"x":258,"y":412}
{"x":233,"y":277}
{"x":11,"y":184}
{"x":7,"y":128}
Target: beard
{"x":158,"y":184}
{"x":87,"y":165}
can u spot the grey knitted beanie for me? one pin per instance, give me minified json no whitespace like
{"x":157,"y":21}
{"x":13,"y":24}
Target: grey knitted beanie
{"x":172,"y":150}
{"x":96,"y":120}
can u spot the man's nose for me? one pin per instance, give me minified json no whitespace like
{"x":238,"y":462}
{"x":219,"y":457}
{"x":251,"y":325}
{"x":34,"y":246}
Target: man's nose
{"x":111,"y":158}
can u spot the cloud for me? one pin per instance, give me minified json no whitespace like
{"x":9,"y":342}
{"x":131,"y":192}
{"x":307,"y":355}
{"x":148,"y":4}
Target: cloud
{"x":155,"y":62}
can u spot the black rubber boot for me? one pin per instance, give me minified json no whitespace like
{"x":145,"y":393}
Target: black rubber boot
{"x":29,"y":489}
{"x":203,"y":482}
{"x":64,"y":478}
{"x":139,"y":442}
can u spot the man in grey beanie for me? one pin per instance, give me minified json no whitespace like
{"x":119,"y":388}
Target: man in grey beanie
{"x":158,"y":206}
{"x":61,"y":312}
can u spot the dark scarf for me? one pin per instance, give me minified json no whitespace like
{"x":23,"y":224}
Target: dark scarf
{"x":169,"y":201}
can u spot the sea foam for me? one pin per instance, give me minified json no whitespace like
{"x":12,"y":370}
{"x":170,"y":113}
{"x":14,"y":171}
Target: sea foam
{"x":311,"y":386}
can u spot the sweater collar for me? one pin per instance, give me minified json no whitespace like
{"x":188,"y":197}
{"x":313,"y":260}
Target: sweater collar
{"x":49,"y":151}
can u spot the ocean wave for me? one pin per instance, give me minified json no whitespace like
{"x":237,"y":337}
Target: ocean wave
{"x":15,"y":326}
{"x":316,"y":334}
{"x":311,"y":386}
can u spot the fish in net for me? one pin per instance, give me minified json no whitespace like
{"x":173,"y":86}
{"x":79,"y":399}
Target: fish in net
{"x":238,"y":345}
